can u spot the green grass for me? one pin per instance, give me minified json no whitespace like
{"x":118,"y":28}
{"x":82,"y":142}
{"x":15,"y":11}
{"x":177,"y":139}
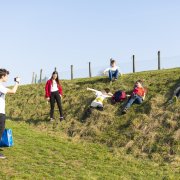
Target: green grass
{"x":144,"y":142}
{"x":42,"y":155}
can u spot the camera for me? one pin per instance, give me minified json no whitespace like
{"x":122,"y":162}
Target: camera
{"x":17,"y":79}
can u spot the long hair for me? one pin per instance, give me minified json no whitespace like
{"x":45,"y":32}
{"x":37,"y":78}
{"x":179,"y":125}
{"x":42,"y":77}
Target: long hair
{"x":57,"y":79}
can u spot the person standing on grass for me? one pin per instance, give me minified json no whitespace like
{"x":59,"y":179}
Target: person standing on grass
{"x":53,"y":92}
{"x":3,"y":91}
{"x":113,"y":71}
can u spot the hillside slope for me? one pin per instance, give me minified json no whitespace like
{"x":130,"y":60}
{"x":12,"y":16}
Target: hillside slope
{"x":148,"y":130}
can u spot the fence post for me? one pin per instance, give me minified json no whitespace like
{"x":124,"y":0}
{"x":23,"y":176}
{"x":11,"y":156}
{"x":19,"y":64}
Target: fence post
{"x":133,"y":57}
{"x":32,"y":78}
{"x":159,"y":60}
{"x":90,"y":70}
{"x":40,"y":79}
{"x":71,"y":72}
{"x":35,"y":78}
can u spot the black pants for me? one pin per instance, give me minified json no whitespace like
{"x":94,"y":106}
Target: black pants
{"x":2,"y":123}
{"x":55,"y":97}
{"x":178,"y":94}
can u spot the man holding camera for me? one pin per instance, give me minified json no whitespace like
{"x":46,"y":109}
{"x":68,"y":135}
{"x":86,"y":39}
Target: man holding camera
{"x":3,"y":91}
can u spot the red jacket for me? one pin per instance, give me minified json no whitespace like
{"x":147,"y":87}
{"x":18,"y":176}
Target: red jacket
{"x":139,"y":91}
{"x":48,"y":88}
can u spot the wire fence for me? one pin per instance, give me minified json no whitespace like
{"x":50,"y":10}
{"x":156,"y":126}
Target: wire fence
{"x":128,"y":66}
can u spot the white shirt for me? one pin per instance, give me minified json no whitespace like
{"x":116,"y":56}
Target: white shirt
{"x":3,"y":91}
{"x":111,"y":68}
{"x":99,"y":99}
{"x":54,"y":86}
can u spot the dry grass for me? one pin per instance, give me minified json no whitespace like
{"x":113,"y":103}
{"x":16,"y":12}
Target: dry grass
{"x":147,"y":130}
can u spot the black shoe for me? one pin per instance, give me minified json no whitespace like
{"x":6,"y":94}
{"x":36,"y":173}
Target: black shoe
{"x":124,"y":111}
{"x":99,"y":108}
{"x":61,"y":118}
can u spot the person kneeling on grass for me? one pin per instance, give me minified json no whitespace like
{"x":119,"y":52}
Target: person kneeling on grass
{"x":100,"y":96}
{"x":137,"y":96}
{"x":176,"y":95}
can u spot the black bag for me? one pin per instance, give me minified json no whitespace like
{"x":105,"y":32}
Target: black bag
{"x":119,"y":96}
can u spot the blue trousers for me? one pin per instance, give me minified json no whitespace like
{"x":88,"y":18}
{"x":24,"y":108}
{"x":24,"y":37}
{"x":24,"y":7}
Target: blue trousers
{"x":113,"y":74}
{"x":134,"y":99}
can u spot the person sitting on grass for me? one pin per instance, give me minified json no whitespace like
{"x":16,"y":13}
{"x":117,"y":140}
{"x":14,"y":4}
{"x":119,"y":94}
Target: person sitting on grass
{"x":176,"y":95}
{"x":100,"y":96}
{"x":137,"y":96}
{"x":113,"y":71}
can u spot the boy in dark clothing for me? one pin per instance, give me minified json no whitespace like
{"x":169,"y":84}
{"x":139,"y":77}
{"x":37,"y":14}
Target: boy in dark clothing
{"x":176,"y":95}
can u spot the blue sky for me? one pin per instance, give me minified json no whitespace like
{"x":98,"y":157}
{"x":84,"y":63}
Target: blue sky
{"x":45,"y":34}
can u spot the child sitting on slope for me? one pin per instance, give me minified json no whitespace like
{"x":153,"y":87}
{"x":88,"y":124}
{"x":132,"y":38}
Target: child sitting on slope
{"x":113,"y":71}
{"x":137,"y":96}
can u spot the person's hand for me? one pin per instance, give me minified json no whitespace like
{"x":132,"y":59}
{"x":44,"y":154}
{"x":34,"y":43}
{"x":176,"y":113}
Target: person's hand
{"x":143,"y":97}
{"x":17,"y":79}
{"x":48,"y":98}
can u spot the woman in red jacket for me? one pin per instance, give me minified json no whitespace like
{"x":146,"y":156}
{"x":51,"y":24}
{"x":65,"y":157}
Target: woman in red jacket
{"x":53,"y":91}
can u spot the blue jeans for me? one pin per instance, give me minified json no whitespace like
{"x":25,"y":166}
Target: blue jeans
{"x":134,"y":99}
{"x":113,"y":74}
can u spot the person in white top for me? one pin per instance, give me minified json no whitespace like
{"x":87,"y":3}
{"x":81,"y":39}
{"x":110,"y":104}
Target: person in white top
{"x":100,"y":96}
{"x":3,"y":91}
{"x":113,"y":71}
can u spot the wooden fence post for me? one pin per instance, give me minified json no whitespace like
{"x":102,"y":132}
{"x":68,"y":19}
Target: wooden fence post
{"x":159,"y":60}
{"x":90,"y":75}
{"x":71,"y":72}
{"x":133,"y":57}
{"x":32,"y":78}
{"x":35,"y":79}
{"x":40,"y":79}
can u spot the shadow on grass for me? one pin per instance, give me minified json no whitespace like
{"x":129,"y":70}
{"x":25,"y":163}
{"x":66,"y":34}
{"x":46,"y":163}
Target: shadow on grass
{"x":29,"y":121}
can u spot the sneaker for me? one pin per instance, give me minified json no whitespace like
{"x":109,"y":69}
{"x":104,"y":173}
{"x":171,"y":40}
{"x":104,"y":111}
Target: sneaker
{"x":61,"y":118}
{"x":124,"y":111}
{"x":110,"y":82}
{"x":115,"y":79}
{"x":51,"y":120}
{"x":2,"y":156}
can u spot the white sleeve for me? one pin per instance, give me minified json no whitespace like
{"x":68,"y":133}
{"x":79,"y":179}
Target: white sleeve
{"x":3,"y":89}
{"x":107,"y":69}
{"x":98,"y":93}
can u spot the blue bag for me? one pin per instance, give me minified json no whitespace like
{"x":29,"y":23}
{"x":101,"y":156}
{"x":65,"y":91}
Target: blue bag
{"x":7,"y":138}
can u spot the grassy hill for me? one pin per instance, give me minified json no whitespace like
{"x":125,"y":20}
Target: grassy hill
{"x":148,"y":131}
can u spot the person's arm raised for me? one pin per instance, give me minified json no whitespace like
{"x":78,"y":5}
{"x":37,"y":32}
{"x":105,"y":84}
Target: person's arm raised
{"x":14,"y":89}
{"x":90,"y":89}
